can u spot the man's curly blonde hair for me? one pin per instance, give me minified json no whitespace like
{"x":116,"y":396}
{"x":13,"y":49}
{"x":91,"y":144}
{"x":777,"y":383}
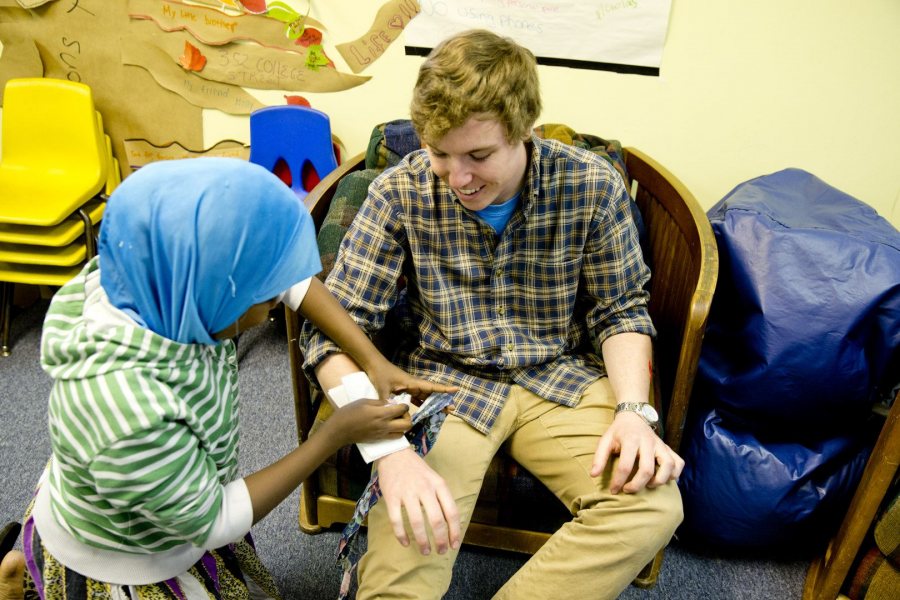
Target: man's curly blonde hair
{"x":472,"y":73}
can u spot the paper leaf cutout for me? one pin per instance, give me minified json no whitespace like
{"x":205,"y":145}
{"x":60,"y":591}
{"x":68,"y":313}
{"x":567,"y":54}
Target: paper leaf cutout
{"x":294,"y":20}
{"x":256,"y":7}
{"x":297,"y":101}
{"x":315,"y":58}
{"x":310,"y":37}
{"x":192,"y":59}
{"x":282,"y":12}
{"x":295,"y":29}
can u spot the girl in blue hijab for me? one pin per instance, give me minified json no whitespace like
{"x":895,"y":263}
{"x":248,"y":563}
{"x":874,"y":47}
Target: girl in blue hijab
{"x":187,"y":246}
{"x":142,"y":496}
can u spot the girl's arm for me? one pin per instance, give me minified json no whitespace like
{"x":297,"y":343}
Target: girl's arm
{"x":326,"y":313}
{"x":360,"y":421}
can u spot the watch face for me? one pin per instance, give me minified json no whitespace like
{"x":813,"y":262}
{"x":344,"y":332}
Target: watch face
{"x":649,"y":413}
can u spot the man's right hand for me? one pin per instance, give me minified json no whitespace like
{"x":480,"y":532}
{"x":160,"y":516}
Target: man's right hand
{"x":406,"y":481}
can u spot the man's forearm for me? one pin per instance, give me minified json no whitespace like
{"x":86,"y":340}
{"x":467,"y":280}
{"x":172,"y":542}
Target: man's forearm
{"x":628,"y":358}
{"x":325,"y":312}
{"x":330,"y":371}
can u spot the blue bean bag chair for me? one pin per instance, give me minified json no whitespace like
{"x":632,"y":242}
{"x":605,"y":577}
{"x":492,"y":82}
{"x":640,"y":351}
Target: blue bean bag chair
{"x":745,"y":491}
{"x":803,"y":337}
{"x":804,"y":331}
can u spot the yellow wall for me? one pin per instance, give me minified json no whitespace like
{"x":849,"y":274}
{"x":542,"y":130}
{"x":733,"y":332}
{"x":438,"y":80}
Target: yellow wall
{"x":746,"y":88}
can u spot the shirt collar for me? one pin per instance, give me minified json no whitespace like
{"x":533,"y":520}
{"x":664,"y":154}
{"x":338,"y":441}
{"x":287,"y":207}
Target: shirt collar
{"x":532,"y":187}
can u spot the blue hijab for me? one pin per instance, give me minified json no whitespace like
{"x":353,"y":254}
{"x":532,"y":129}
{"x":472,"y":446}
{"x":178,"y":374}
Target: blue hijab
{"x":187,"y":246}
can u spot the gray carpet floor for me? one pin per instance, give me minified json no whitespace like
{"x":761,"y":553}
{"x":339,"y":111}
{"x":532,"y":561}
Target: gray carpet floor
{"x":303,"y":565}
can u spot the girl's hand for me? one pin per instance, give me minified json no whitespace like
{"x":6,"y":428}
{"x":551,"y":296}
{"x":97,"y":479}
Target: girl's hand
{"x":368,"y":421}
{"x":389,"y":379}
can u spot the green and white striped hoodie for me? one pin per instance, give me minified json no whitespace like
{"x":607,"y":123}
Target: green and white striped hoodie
{"x":144,"y":433}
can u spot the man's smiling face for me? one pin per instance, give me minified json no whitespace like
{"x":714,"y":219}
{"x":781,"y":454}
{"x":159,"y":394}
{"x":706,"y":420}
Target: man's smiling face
{"x":478,"y":163}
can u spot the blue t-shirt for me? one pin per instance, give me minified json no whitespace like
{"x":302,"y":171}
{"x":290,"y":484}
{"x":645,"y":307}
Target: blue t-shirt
{"x":498,"y":215}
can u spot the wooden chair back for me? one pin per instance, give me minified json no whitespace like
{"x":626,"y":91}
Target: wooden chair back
{"x":684,"y":265}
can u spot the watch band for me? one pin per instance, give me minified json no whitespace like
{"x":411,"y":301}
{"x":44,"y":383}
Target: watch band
{"x":630,"y":406}
{"x":644,"y":409}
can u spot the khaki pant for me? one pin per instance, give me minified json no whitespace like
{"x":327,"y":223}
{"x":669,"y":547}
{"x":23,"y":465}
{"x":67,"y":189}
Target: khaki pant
{"x":595,"y":555}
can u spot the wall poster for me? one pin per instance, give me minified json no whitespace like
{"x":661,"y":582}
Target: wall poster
{"x":625,"y":36}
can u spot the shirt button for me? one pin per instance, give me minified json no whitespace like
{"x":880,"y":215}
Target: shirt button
{"x":500,"y":311}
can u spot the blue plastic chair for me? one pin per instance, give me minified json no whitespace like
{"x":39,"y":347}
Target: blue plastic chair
{"x":294,"y":142}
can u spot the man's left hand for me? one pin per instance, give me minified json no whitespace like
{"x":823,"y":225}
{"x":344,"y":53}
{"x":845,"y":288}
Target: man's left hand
{"x":644,"y":459}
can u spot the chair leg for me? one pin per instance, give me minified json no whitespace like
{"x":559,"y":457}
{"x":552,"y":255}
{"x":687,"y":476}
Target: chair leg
{"x":646,"y":579}
{"x":309,"y":522}
{"x":8,"y":536}
{"x":6,"y":300}
{"x":90,"y":242}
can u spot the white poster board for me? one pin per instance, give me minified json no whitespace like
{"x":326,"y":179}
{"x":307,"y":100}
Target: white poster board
{"x":618,"y":35}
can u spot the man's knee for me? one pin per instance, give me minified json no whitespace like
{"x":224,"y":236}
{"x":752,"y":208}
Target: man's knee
{"x":656,"y":513}
{"x":667,"y":511}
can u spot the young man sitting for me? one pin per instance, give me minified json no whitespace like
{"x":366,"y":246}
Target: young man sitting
{"x":525,"y":288}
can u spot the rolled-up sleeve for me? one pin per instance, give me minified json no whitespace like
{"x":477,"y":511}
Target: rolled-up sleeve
{"x":366,"y":271}
{"x":615,"y":274}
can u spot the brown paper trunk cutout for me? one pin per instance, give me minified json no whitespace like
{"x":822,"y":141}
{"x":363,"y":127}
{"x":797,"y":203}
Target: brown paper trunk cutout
{"x":20,"y":56}
{"x":141,"y":152}
{"x":254,"y":66}
{"x":196,"y":90}
{"x":213,"y":27}
{"x":79,"y":40}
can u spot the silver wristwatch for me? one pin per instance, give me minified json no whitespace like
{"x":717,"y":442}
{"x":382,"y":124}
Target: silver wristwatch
{"x":647,"y":412}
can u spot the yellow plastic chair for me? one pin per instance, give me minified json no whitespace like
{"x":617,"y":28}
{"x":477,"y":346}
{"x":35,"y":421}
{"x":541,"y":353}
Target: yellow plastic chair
{"x":73,"y":226}
{"x":62,"y":234}
{"x":11,"y":274}
{"x":54,"y":153}
{"x":69,"y":255}
{"x":56,"y":171}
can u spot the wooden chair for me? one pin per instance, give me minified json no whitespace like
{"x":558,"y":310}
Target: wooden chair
{"x":828,"y":572}
{"x":515,"y":512}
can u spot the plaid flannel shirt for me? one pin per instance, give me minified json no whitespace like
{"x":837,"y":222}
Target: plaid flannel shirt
{"x":531,"y":306}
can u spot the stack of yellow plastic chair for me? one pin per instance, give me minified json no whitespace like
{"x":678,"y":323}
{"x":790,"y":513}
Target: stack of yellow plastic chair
{"x":56,"y":171}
